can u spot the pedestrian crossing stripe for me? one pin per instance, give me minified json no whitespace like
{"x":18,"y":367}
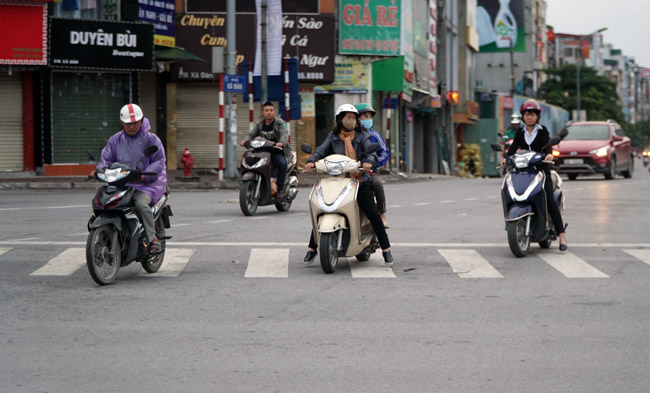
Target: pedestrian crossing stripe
{"x":274,"y":263}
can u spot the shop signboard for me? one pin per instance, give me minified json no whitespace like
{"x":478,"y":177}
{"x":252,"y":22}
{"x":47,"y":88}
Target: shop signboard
{"x":101,"y":45}
{"x":301,"y":39}
{"x":500,"y":24}
{"x":23,"y":29}
{"x":161,"y":14}
{"x":351,"y":77}
{"x":370,"y":27}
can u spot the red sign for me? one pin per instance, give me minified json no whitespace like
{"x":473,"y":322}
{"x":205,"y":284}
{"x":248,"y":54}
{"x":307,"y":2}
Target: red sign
{"x":645,"y":73}
{"x":23,"y":29}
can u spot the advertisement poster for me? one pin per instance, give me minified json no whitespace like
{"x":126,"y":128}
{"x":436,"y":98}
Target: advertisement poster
{"x":101,"y":45}
{"x":370,"y":27}
{"x":23,"y":30}
{"x":349,"y":77}
{"x":161,"y":14}
{"x":500,"y":24}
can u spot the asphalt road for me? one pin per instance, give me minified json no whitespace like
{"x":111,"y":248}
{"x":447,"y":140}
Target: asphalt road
{"x":234,"y":309}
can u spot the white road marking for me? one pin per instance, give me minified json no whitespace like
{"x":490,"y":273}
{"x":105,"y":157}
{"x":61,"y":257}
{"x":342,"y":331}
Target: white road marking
{"x":181,"y":225}
{"x":447,"y":201}
{"x":643,"y":255}
{"x":395,"y":206}
{"x":373,"y":268}
{"x":218,"y":221}
{"x":27,"y":242}
{"x":64,"y":264}
{"x":469,"y":264}
{"x":4,"y":249}
{"x":25,"y":239}
{"x":470,"y":199}
{"x":268,"y":262}
{"x":259,"y":218}
{"x":422,"y":203}
{"x":175,"y":261}
{"x":42,"y":207}
{"x":570,"y":265}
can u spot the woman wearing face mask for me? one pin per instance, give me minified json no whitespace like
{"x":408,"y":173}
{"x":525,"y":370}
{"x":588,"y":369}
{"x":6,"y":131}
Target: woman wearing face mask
{"x":366,"y":113}
{"x":348,"y":138}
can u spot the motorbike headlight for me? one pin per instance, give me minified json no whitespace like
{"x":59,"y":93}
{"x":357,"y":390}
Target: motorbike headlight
{"x":556,"y":153}
{"x":601,"y":152}
{"x":256,"y":144}
{"x":521,"y":161}
{"x":111,"y":175}
{"x":259,"y":163}
{"x":335,"y":167}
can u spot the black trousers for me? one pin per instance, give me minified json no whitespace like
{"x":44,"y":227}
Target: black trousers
{"x":280,"y":162}
{"x":553,"y":209}
{"x":366,"y":202}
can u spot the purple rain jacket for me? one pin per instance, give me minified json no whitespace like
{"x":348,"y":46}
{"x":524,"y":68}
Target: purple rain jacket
{"x":128,"y":150}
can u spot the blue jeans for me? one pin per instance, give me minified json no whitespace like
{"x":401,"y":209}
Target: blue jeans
{"x":280,"y":162}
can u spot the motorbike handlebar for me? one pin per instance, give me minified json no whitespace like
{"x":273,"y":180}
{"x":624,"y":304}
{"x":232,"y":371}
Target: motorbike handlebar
{"x":149,"y":173}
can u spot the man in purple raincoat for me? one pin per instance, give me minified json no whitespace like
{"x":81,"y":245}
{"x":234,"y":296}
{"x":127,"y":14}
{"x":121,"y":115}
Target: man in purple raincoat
{"x":127,"y":147}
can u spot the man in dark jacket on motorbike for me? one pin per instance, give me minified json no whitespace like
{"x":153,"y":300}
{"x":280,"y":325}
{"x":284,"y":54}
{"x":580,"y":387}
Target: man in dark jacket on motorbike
{"x":273,"y":129}
{"x":127,"y":147}
{"x":348,"y":138}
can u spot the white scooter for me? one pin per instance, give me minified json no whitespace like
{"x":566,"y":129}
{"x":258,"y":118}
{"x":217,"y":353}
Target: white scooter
{"x":340,"y":228}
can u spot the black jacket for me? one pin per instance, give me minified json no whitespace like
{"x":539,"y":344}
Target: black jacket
{"x":539,"y":144}
{"x":335,"y":145}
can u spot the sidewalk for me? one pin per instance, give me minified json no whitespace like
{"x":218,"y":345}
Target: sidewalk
{"x":175,"y":179}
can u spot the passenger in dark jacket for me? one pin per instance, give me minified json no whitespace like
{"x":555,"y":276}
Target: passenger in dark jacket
{"x":347,"y":138}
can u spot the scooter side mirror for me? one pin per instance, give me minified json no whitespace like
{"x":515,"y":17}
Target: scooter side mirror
{"x":564,"y":133}
{"x":499,"y":134}
{"x":149,"y":150}
{"x":496,"y":147}
{"x":91,"y":157}
{"x":373,"y":147}
{"x":554,"y":141}
{"x":306,"y":148}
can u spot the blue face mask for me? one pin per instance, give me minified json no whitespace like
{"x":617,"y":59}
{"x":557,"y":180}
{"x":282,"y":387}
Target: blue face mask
{"x":367,"y":124}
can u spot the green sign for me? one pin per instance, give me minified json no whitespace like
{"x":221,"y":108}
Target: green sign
{"x":369,"y":27}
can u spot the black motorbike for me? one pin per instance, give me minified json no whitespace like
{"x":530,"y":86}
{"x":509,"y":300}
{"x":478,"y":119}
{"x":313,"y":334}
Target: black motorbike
{"x":117,"y":236}
{"x":258,"y":177}
{"x":524,"y":199}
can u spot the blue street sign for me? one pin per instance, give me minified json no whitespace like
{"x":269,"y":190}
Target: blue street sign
{"x":234,"y":83}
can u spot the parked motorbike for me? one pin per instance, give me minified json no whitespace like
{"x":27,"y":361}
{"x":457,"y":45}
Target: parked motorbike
{"x":524,"y":199}
{"x":258,"y":174}
{"x":116,"y":234}
{"x":340,"y":227}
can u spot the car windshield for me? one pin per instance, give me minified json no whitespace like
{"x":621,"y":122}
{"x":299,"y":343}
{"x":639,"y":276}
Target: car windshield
{"x":588,"y":132}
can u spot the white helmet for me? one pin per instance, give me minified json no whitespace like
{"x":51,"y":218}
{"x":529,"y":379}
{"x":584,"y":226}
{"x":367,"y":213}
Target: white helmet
{"x":346,"y":108}
{"x":130,"y":113}
{"x":516,"y":118}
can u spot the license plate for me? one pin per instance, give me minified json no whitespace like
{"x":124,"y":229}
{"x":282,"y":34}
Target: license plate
{"x":573,"y":161}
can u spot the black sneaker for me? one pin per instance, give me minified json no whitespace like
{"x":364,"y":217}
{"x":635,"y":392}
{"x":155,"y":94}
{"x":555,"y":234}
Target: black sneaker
{"x":388,"y":258}
{"x":309,"y":258}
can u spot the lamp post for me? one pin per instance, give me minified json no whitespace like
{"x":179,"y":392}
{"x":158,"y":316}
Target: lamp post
{"x":578,"y":65}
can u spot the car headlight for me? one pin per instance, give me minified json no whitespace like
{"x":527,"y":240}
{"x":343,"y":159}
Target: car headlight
{"x":335,"y":167}
{"x":601,"y":152}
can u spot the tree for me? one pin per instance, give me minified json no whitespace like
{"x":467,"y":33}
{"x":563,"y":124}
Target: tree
{"x":597,"y":93}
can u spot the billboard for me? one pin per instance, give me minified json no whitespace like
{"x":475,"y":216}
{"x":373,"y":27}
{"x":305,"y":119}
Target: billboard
{"x":161,"y":14}
{"x":23,"y":29}
{"x":500,"y":24}
{"x":370,"y":27}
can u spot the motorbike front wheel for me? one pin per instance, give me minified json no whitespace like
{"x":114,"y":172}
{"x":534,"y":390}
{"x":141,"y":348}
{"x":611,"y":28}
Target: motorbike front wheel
{"x":153,"y":263}
{"x":103,"y":255}
{"x":329,"y":255}
{"x":518,"y":241}
{"x":247,"y":199}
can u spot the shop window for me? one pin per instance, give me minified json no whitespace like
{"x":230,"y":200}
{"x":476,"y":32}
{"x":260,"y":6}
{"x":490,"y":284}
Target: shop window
{"x":87,"y":9}
{"x":85,"y":113}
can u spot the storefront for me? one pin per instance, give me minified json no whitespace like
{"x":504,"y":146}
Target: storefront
{"x":93,"y":74}
{"x":23,"y":28}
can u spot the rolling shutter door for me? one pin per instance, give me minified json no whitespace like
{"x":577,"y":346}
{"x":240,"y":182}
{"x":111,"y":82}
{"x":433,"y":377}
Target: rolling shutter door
{"x":198,"y":123}
{"x":11,"y":132}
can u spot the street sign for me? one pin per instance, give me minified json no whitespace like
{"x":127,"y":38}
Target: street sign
{"x":234,"y":83}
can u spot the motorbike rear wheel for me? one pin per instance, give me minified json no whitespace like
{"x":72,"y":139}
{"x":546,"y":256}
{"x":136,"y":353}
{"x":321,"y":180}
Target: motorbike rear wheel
{"x":103,"y":254}
{"x":329,"y":255}
{"x":247,"y":200}
{"x":153,"y":263}
{"x":517,"y":240}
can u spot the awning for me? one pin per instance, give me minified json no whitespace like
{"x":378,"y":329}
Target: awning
{"x":175,"y":54}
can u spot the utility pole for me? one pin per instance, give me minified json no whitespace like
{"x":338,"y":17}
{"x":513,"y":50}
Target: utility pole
{"x":512,"y":68}
{"x":263,"y":24}
{"x":231,"y":136}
